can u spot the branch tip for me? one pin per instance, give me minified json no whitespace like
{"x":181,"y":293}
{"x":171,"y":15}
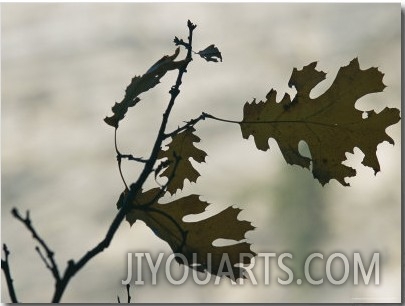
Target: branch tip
{"x":191,"y":25}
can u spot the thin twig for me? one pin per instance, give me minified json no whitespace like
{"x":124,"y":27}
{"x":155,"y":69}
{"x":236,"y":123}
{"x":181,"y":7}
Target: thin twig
{"x":7,"y":273}
{"x":164,"y":187}
{"x":180,"y":42}
{"x":194,"y":121}
{"x":73,"y":267}
{"x":188,"y":124}
{"x":53,"y":267}
{"x":126,"y":156}
{"x":43,"y":258}
{"x":119,"y":158}
{"x":128,"y":295}
{"x":131,"y":157}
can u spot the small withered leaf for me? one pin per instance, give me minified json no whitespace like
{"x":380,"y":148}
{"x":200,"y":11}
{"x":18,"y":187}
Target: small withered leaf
{"x":210,"y":54}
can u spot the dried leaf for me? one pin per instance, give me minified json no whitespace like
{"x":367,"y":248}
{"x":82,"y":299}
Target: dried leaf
{"x":188,"y":238}
{"x":140,"y":84}
{"x":178,"y":153}
{"x":210,"y":54}
{"x":329,"y":124}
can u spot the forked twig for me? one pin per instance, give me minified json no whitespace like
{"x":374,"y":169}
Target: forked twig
{"x":49,"y":259}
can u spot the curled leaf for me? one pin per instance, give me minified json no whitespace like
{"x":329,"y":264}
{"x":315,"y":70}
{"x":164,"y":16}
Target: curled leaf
{"x":210,"y":54}
{"x":140,"y":84}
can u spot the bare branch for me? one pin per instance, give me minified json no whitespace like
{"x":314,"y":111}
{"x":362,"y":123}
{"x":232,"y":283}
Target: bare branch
{"x":129,"y":296}
{"x":194,"y":121}
{"x":43,"y":258}
{"x":131,"y":157}
{"x":163,"y":188}
{"x":134,"y":188}
{"x":53,"y":267}
{"x":119,"y":158}
{"x":188,"y":124}
{"x":7,"y":273}
{"x":72,"y":266}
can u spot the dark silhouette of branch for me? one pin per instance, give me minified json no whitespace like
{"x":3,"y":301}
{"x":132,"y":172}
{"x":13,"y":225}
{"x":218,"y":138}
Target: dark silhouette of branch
{"x":49,"y":260}
{"x":43,"y":258}
{"x":121,"y":156}
{"x":73,"y":268}
{"x":128,"y":295}
{"x":7,"y":273}
{"x":188,"y":124}
{"x":163,"y":188}
{"x":194,"y":121}
{"x":62,"y":280}
{"x":131,"y":157}
{"x":209,"y":116}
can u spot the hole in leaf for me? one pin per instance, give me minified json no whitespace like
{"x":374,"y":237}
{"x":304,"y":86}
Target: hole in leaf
{"x":303,"y":149}
{"x":223,"y":242}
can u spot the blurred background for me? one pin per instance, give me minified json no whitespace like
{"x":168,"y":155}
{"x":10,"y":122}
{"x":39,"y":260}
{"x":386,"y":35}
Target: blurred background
{"x":64,"y":65}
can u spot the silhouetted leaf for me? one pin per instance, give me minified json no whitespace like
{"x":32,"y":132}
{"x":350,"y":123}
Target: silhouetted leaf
{"x":188,"y":238}
{"x":329,"y":124}
{"x":178,"y":153}
{"x":210,"y":54}
{"x":140,"y":84}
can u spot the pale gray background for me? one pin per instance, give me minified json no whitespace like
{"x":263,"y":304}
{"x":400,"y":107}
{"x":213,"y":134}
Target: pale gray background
{"x":64,"y":65}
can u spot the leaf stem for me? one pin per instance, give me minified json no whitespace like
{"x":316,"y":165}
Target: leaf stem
{"x":188,"y":124}
{"x":204,"y":115}
{"x":209,"y":116}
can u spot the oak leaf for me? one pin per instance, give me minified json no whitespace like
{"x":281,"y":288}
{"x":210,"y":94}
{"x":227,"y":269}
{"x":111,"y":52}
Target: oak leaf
{"x":194,"y":240}
{"x":178,"y":166}
{"x":140,"y":84}
{"x":329,"y":124}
